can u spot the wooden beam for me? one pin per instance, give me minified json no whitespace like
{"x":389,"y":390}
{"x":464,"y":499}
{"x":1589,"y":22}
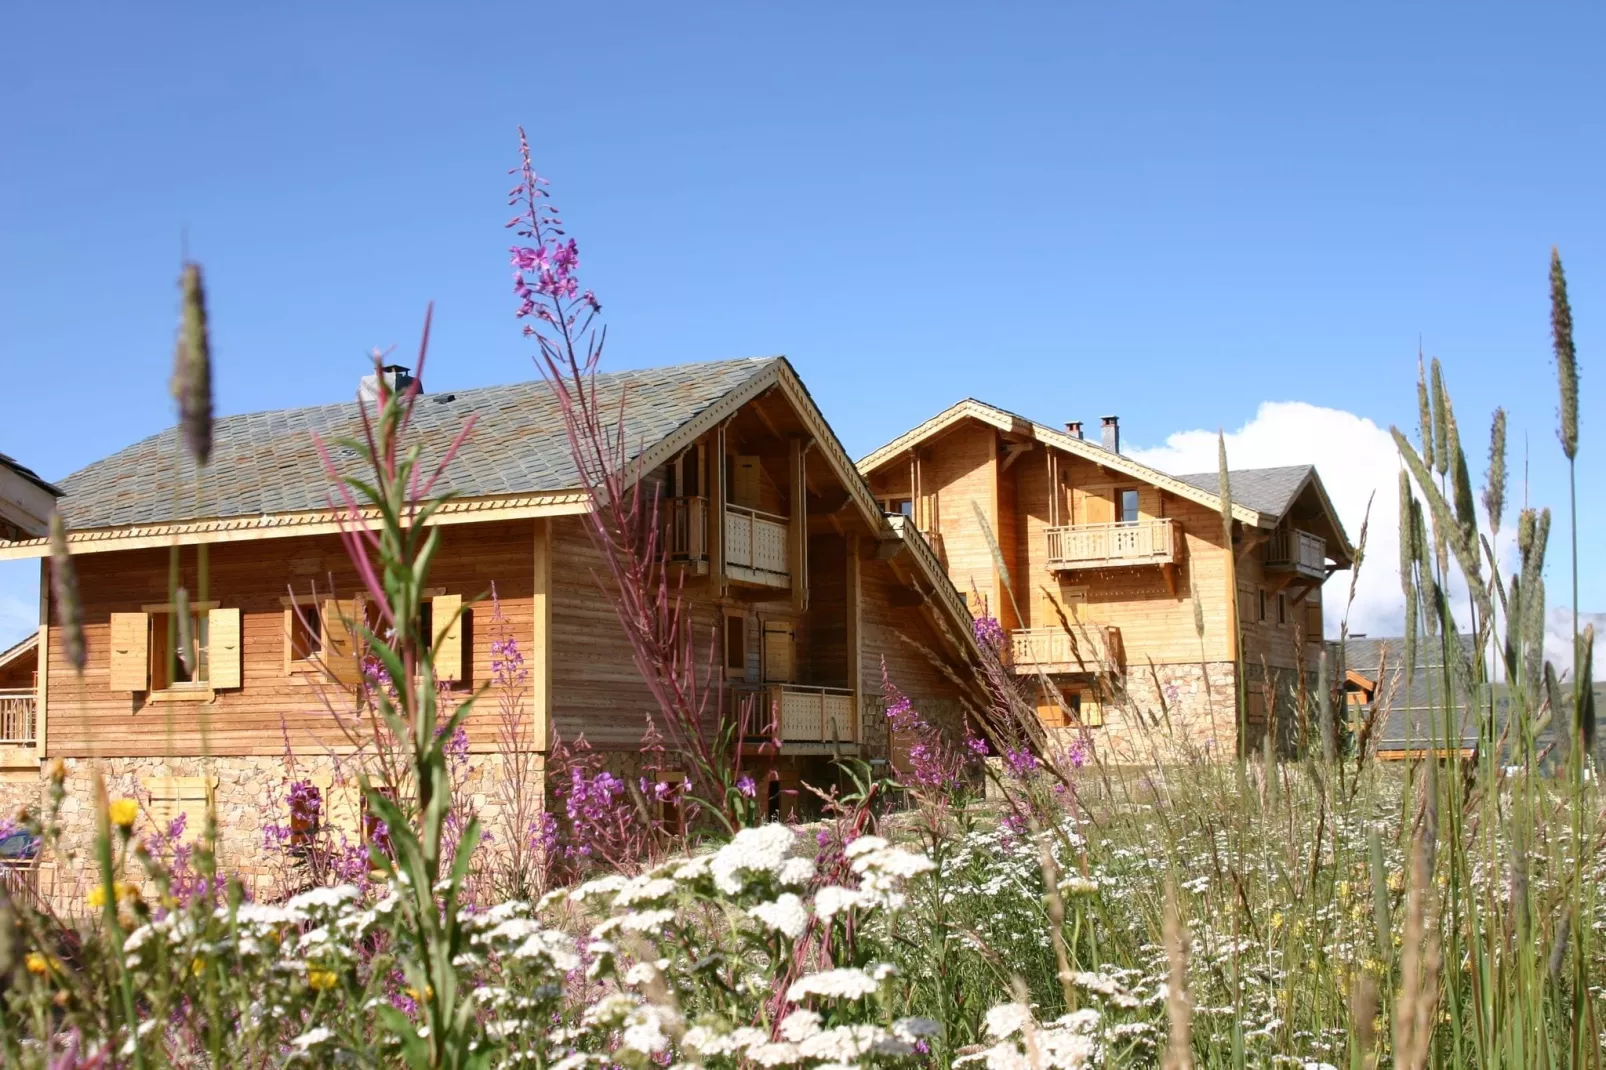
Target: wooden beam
{"x":1013,"y":451}
{"x":41,"y":725}
{"x":797,"y":527}
{"x":541,"y":646}
{"x":855,"y":630}
{"x":716,"y":515}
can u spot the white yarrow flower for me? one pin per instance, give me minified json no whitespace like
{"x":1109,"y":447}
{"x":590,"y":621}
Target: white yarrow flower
{"x":785,"y":915}
{"x":843,"y":983}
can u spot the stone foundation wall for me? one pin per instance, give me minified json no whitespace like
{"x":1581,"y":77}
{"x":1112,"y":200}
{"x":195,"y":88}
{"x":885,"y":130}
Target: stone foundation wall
{"x":250,"y":795}
{"x":1176,"y":713}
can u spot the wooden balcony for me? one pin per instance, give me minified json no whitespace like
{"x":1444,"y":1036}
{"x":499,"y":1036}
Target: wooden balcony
{"x":1292,"y":550}
{"x":1094,"y":648}
{"x":19,"y":717}
{"x":686,"y":530}
{"x":808,"y":715}
{"x":756,"y":547}
{"x":1142,"y":542}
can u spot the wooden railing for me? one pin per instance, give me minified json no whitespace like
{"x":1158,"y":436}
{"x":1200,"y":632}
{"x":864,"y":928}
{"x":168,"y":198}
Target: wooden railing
{"x":1141,"y":542}
{"x":1034,"y":648}
{"x":933,"y":540}
{"x":19,"y":716}
{"x":1301,"y":551}
{"x":686,"y":529}
{"x":756,"y":541}
{"x":922,"y":549}
{"x":814,"y":714}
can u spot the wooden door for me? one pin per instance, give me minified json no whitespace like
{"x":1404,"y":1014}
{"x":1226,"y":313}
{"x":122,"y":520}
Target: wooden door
{"x":779,"y":652}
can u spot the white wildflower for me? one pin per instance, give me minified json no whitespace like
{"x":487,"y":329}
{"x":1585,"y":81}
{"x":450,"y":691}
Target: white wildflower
{"x":643,"y":890}
{"x":833,"y":899}
{"x":644,"y":1028}
{"x":1007,"y":1019}
{"x":777,"y":1054}
{"x":785,"y":915}
{"x":646,"y":921}
{"x":311,"y":1038}
{"x":796,"y":871}
{"x":322,"y":897}
{"x":843,"y":1043}
{"x":760,"y":850}
{"x":613,"y":882}
{"x":843,"y":983}
{"x":800,"y":1024}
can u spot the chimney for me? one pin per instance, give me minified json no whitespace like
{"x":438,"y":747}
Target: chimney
{"x":1112,"y":433}
{"x":1073,"y":428}
{"x":398,"y":377}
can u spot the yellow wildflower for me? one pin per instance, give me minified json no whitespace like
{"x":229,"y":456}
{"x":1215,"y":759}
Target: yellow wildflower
{"x":58,"y":770}
{"x":1396,"y":881}
{"x":123,"y":890}
{"x":197,"y":966}
{"x":321,"y":980}
{"x":122,"y":812}
{"x":38,"y":965}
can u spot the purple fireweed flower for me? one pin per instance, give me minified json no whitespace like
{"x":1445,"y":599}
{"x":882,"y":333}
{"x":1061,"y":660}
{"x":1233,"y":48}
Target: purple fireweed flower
{"x":1020,"y":762}
{"x":746,"y":786}
{"x":1077,"y":753}
{"x":989,"y":633}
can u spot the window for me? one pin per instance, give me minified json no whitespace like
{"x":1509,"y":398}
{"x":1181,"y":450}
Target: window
{"x":1261,"y":593}
{"x":1128,"y":501}
{"x":177,"y":649}
{"x":736,"y":645}
{"x":306,"y":633}
{"x":899,"y":506}
{"x":426,"y":624}
{"x":1282,"y":609}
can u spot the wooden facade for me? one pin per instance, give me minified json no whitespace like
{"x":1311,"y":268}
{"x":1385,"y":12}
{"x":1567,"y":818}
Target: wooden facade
{"x":1098,"y":568}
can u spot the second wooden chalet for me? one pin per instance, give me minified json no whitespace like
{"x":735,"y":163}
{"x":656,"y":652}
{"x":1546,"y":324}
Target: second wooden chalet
{"x":1041,"y":528}
{"x":796,"y":581}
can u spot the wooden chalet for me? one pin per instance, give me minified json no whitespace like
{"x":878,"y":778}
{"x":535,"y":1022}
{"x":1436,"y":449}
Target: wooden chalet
{"x":790,"y":570}
{"x":1112,"y":579}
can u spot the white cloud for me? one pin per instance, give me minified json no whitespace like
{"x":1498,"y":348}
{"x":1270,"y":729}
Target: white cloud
{"x":1357,"y":460}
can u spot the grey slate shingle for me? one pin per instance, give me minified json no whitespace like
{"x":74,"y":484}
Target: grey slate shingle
{"x":1265,"y":490}
{"x":266,"y":462}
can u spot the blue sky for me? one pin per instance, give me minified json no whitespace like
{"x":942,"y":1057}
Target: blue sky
{"x":1172,"y":212}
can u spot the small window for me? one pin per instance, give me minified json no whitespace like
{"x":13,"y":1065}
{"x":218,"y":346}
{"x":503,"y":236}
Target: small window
{"x":1129,"y":506}
{"x":735,"y":644}
{"x":304,"y":629}
{"x":901,"y":506}
{"x":1282,"y":609}
{"x":171,"y":667}
{"x":426,"y":625}
{"x":1262,"y":595}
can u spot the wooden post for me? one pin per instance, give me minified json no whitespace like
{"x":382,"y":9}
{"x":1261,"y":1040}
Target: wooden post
{"x":41,"y":709}
{"x":541,"y":641}
{"x":854,"y":632}
{"x":797,"y":535}
{"x":716,"y":514}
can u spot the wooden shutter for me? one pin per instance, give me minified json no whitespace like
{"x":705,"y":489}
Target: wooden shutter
{"x":744,"y":477}
{"x":130,"y":663}
{"x":223,"y":647}
{"x":174,"y":795}
{"x":448,"y":637}
{"x":1091,"y":713}
{"x":342,"y":620}
{"x":1099,"y":507}
{"x":778,"y":651}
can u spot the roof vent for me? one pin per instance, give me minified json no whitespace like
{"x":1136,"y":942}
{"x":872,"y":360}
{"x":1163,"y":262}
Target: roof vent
{"x":398,"y":377}
{"x":1073,"y":428}
{"x":1111,"y":428}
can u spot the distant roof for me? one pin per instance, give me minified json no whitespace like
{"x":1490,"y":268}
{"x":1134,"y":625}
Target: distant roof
{"x":267,"y":463}
{"x":19,"y":649}
{"x":29,"y":474}
{"x":1265,"y":490}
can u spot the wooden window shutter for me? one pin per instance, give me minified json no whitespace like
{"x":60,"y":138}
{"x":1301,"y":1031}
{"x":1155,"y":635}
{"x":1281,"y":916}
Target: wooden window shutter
{"x":342,"y":620}
{"x":223,"y":647}
{"x":744,"y":481}
{"x":130,"y":664}
{"x":172,"y":796}
{"x":1100,"y":508}
{"x":1091,"y":713}
{"x":778,"y":651}
{"x":448,"y":637}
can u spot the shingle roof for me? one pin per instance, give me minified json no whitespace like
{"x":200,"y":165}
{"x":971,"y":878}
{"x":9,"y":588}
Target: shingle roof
{"x":266,"y":462}
{"x":1265,"y":490}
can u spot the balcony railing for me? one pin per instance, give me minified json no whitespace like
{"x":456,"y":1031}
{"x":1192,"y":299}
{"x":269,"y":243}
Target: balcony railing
{"x":807,"y":714}
{"x":1053,"y":649}
{"x":922,"y":549}
{"x":686,"y":529}
{"x":1140,"y":542}
{"x":755,"y":544}
{"x":1298,"y":551}
{"x":19,"y":716}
